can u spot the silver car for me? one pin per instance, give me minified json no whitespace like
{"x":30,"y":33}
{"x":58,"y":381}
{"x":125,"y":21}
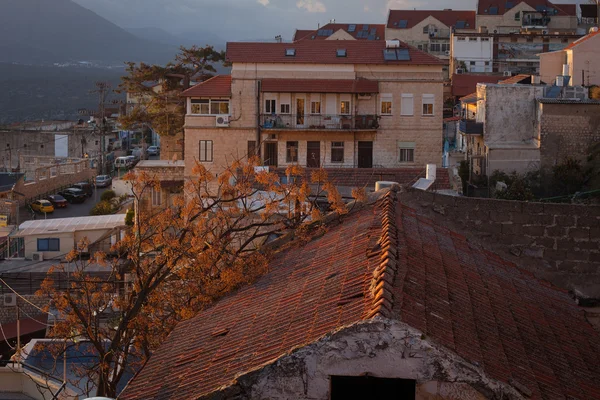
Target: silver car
{"x":103,"y":181}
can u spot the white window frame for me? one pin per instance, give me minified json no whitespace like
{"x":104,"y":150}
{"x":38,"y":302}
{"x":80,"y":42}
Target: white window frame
{"x":209,"y":102}
{"x":285,"y":103}
{"x":407,"y":99}
{"x":313,"y":110}
{"x":406,"y":148}
{"x":428,"y":99}
{"x":386,"y":98}
{"x":205,"y":154}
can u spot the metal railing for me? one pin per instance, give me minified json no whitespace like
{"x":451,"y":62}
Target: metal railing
{"x":319,"y":121}
{"x":470,"y":127}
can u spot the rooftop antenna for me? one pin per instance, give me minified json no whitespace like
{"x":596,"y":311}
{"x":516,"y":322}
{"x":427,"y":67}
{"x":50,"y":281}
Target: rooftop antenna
{"x":278,"y":38}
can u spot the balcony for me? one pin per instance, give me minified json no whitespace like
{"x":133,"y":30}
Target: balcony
{"x":440,"y":34}
{"x":535,"y":20}
{"x":470,"y":127}
{"x":319,"y":122}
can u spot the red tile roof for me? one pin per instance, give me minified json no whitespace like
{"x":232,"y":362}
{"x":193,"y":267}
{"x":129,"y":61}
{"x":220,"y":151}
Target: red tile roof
{"x":217,"y":86}
{"x":320,"y":85}
{"x":379,"y":30}
{"x":464,"y":84}
{"x":470,"y":98}
{"x":322,"y":52}
{"x":583,"y":39}
{"x":516,"y":79}
{"x":471,"y":301}
{"x":447,"y":17}
{"x":484,"y":6}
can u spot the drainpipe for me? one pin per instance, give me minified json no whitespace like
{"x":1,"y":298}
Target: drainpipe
{"x":258,"y":143}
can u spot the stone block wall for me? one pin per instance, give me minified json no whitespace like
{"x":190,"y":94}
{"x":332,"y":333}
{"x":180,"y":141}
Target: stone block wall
{"x":558,"y":242}
{"x":9,"y":314}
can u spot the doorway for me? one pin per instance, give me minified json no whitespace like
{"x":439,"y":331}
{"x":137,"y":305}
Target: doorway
{"x":313,"y":154}
{"x":270,"y":157}
{"x":365,"y":154}
{"x":299,"y":112}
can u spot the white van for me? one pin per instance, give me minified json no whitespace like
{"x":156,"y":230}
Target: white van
{"x":122,"y":162}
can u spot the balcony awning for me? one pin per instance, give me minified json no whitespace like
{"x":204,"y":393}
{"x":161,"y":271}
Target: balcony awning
{"x":319,"y":86}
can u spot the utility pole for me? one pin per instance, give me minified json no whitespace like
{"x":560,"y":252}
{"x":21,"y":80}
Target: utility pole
{"x":102,"y":90}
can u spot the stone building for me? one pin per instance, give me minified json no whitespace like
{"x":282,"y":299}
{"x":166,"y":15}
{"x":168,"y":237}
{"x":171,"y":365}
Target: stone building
{"x":337,"y":31}
{"x":352,"y":104}
{"x":169,"y":174}
{"x":390,"y":300}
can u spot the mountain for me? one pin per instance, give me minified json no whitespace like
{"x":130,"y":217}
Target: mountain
{"x":187,"y":39}
{"x":48,"y":31}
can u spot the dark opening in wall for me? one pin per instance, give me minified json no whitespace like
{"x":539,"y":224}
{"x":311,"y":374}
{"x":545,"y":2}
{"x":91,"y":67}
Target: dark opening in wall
{"x":372,"y":388}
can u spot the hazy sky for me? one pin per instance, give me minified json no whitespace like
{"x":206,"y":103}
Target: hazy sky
{"x":252,"y":19}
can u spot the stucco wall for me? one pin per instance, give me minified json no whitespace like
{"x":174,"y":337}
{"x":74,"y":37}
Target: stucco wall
{"x":567,"y":130}
{"x":380,"y":348}
{"x":551,"y":65}
{"x":586,"y":59}
{"x":506,"y":23}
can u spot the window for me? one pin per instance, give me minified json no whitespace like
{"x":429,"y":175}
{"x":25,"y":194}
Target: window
{"x":206,"y":151}
{"x":460,"y":39}
{"x":340,"y":52}
{"x":369,"y":387}
{"x":291,"y":151}
{"x":285,"y":108}
{"x":406,"y":152}
{"x":518,"y":16}
{"x":270,"y":106}
{"x":485,"y":39}
{"x":472,"y":39}
{"x":290,"y":52}
{"x":156,"y":197}
{"x":472,"y":63}
{"x":48,"y":244}
{"x":219,"y":107}
{"x":407,"y":105}
{"x":200,"y":106}
{"x":428,"y":104}
{"x":251,"y":148}
{"x":564,"y":40}
{"x":315,"y":107}
{"x":209,"y":107}
{"x":487,"y":63}
{"x":337,"y":152}
{"x":420,"y":46}
{"x":426,"y":29}
{"x":345,"y":107}
{"x":386,"y":104}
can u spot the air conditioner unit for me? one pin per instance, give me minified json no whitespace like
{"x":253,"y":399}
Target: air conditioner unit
{"x":507,"y":73}
{"x":364,"y":96}
{"x":10,"y":300}
{"x":447,"y":52}
{"x":544,"y":32}
{"x":222,"y":120}
{"x":460,"y":71}
{"x":37,"y":256}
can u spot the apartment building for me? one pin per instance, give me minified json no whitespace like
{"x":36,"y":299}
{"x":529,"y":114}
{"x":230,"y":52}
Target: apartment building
{"x":527,"y":15}
{"x":338,"y":31}
{"x":355,"y":104}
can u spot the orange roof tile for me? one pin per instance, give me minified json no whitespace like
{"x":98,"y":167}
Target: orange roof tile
{"x":320,"y":85}
{"x":217,"y":86}
{"x":581,"y":40}
{"x":360,"y":31}
{"x":516,"y":79}
{"x":460,"y":296}
{"x":464,"y":84}
{"x":323,"y":52}
{"x":447,"y":17}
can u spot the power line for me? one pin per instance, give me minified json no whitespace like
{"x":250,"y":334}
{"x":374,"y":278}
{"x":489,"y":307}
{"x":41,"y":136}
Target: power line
{"x":4,"y":336}
{"x":23,"y":298}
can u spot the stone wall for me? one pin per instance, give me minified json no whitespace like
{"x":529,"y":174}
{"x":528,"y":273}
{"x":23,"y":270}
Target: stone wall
{"x":27,"y":310}
{"x":557,"y":242}
{"x":567,"y":130}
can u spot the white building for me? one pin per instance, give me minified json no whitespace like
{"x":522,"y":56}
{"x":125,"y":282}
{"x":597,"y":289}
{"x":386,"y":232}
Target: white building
{"x":472,"y":52}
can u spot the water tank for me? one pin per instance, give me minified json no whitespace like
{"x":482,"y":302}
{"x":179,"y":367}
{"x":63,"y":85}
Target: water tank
{"x":430,"y":172}
{"x":384,"y":185}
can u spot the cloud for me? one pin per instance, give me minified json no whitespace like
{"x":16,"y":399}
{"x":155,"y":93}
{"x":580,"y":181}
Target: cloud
{"x":313,"y":6}
{"x":366,"y":8}
{"x":264,"y":2}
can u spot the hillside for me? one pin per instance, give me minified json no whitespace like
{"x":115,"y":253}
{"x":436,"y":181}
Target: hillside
{"x":48,"y":31}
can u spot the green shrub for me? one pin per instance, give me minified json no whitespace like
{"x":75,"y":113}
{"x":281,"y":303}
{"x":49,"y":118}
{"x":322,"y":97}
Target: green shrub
{"x":108,"y":195}
{"x":129,"y":217}
{"x":102,"y":208}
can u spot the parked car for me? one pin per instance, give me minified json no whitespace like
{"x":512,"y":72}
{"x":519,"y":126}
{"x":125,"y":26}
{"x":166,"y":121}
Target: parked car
{"x":43,"y":206}
{"x":73,"y":195}
{"x":153,"y":151}
{"x":103,"y":181}
{"x":87,"y":188}
{"x":57,"y":201}
{"x":133,"y":160}
{"x":122,"y":162}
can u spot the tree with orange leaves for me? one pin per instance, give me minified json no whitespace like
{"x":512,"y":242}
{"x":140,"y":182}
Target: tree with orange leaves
{"x":214,"y":237}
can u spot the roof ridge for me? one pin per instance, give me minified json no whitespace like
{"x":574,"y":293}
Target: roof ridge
{"x":383,"y":275}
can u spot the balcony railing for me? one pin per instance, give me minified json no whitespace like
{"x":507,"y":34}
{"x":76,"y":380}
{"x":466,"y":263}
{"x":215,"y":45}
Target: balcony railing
{"x":470,"y":127}
{"x":531,"y":19}
{"x":319,"y":122}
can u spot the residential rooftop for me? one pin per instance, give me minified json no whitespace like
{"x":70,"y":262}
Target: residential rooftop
{"x":74,"y":224}
{"x":406,"y":19}
{"x":356,"y":31}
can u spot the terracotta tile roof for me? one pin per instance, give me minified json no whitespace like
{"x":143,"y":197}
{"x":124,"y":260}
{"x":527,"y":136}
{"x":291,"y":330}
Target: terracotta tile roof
{"x":583,"y":39}
{"x":470,"y":98}
{"x":323,"y":52}
{"x":320,"y":85}
{"x":464,"y":84}
{"x":447,"y":17}
{"x":484,"y":7}
{"x":520,"y":78}
{"x":387,"y":261}
{"x":376,"y":31}
{"x":217,"y":86}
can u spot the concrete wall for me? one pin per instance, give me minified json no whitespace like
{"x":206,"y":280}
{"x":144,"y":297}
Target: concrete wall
{"x":380,"y":348}
{"x":557,"y":242}
{"x":473,"y":49}
{"x":585,"y":68}
{"x":9,"y":314}
{"x":567,"y":130}
{"x":13,"y":379}
{"x":551,"y":65}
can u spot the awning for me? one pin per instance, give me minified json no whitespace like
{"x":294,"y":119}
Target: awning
{"x":319,"y":86}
